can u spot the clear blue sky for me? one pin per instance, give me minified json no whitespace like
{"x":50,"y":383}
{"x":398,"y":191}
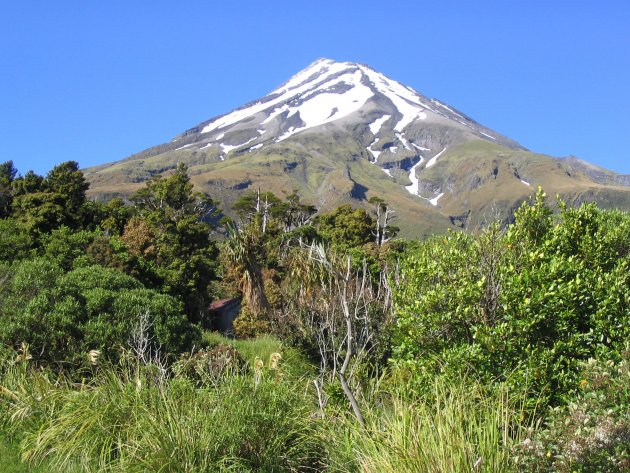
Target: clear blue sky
{"x":97,"y":81}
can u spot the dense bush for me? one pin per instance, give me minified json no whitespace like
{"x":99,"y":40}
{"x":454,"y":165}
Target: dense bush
{"x":62,"y":316}
{"x":15,"y":241}
{"x":522,"y":305}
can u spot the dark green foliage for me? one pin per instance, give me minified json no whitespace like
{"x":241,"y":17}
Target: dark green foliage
{"x":116,"y":216}
{"x":66,"y":180}
{"x":171,"y":234}
{"x":523,"y":305}
{"x":283,"y":215}
{"x":255,"y":202}
{"x":66,"y":247}
{"x":7,"y":175}
{"x":346,"y":226}
{"x":15,"y":240}
{"x":40,"y":212}
{"x":45,"y":204}
{"x":28,"y":184}
{"x":63,"y":316}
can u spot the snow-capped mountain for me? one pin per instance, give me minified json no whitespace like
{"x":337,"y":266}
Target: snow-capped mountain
{"x":328,"y":91}
{"x":338,"y":131}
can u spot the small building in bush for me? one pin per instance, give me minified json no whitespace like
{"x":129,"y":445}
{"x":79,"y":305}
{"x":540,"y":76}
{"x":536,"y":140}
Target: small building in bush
{"x":221,"y":315}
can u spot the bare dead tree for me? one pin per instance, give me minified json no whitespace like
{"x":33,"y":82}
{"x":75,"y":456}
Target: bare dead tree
{"x":144,"y":347}
{"x":337,"y":306}
{"x":386,"y":220}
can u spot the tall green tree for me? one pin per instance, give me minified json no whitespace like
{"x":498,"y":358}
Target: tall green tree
{"x":43,"y":204}
{"x":346,"y":226}
{"x":172,"y":219}
{"x":7,"y":176}
{"x":68,"y":181}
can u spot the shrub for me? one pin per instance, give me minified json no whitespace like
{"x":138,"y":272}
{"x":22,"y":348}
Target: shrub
{"x":211,"y":365}
{"x":15,"y":240}
{"x":522,"y":305}
{"x":591,"y":433}
{"x":63,"y":316}
{"x":249,"y":325}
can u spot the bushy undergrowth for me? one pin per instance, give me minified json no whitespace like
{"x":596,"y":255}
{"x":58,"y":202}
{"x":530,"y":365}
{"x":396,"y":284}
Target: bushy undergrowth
{"x":488,"y":369}
{"x":62,"y":315}
{"x":591,"y":433}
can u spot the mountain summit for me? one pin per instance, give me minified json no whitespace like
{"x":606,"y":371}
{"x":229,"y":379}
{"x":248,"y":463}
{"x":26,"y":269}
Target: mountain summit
{"x":341,"y":132}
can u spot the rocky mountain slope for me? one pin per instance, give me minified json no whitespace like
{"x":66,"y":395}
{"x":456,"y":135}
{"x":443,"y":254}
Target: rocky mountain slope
{"x":342,"y":133}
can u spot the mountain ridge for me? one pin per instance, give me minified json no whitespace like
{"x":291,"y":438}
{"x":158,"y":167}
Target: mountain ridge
{"x":336,"y":127}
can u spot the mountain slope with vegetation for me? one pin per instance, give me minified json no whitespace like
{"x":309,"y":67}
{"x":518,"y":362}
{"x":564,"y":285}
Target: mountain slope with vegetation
{"x":342,"y":133}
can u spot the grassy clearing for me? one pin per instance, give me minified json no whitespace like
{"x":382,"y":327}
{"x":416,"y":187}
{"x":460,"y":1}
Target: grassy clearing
{"x":295,"y":364}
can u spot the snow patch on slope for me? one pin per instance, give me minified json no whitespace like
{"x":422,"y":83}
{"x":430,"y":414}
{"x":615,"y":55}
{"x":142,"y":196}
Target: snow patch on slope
{"x":414,"y":187}
{"x":420,"y":147}
{"x":376,"y":154}
{"x":378,"y":123}
{"x":297,"y":87}
{"x":447,"y":108}
{"x":401,"y":138}
{"x":434,"y":201}
{"x":405,"y":100}
{"x":433,"y":160}
{"x":227,"y":148}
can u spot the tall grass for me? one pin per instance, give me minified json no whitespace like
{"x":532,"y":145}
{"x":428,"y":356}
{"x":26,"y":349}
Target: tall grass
{"x":128,"y":420}
{"x":294,"y":363}
{"x":459,"y":428}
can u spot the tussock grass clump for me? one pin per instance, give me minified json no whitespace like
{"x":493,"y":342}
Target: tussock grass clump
{"x":457,"y":428}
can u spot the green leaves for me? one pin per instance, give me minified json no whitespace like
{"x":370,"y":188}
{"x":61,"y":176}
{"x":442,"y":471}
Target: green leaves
{"x":62,"y":317}
{"x":524,"y":304}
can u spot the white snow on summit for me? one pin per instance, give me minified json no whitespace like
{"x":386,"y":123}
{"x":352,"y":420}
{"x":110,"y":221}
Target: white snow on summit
{"x":327,"y":91}
{"x":407,"y":102}
{"x":326,"y":107}
{"x":327,"y":68}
